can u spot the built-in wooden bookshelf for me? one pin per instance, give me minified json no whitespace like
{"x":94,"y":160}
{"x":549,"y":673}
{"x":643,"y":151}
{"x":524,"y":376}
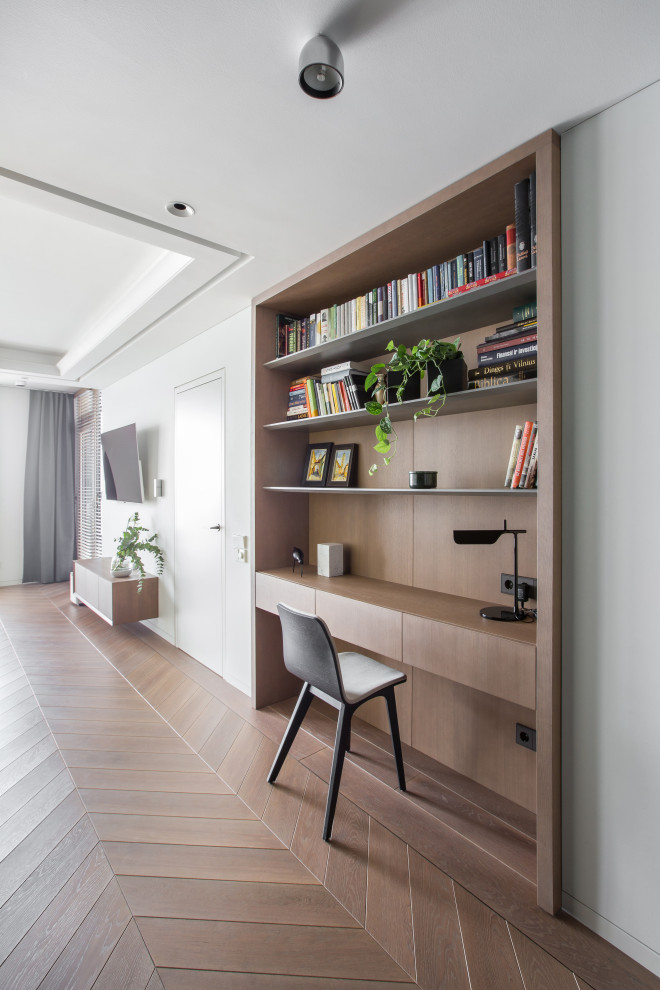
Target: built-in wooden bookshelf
{"x":404,"y":565}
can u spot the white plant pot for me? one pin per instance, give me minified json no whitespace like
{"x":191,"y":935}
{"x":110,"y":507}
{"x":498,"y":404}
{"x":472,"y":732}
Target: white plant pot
{"x":120,"y":569}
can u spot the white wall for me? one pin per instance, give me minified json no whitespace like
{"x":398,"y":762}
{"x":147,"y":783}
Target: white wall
{"x":146,"y":398}
{"x":611,"y":347}
{"x":14,"y":406}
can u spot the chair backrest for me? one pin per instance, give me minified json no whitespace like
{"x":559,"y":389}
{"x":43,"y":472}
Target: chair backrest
{"x":309,"y":652}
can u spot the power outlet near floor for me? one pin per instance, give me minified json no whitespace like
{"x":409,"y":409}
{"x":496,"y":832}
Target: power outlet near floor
{"x":525,"y":736}
{"x":506,"y":586}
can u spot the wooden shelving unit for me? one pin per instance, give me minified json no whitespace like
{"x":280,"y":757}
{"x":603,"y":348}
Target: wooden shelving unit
{"x":464,"y":693}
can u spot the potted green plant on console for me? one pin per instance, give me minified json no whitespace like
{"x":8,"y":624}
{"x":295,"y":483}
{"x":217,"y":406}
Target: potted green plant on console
{"x":447,"y":371}
{"x":129,"y":546}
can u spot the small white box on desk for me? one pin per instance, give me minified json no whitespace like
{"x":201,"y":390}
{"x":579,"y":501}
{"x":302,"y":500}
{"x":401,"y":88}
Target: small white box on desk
{"x":330,"y":559}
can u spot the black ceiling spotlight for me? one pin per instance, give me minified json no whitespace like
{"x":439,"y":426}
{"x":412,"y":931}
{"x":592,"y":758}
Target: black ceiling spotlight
{"x":321,"y":68}
{"x":484,"y":537}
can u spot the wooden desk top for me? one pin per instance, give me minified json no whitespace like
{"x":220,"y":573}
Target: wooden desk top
{"x":426,"y":604}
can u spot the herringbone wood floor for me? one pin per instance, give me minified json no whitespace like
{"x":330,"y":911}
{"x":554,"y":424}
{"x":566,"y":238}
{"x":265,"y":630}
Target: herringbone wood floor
{"x":140,"y":846}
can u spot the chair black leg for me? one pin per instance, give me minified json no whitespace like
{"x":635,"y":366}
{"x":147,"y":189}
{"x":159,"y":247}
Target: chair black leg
{"x":341,"y":742}
{"x":304,"y":701}
{"x":396,"y":738}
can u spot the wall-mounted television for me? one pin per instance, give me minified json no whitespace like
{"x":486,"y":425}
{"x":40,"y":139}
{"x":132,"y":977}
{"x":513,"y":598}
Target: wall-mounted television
{"x":121,"y":465}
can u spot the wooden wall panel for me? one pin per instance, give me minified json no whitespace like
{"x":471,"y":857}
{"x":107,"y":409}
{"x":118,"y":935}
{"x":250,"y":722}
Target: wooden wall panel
{"x":549,"y":515}
{"x":377,"y":530}
{"x":272,"y":681}
{"x":475,"y":734}
{"x":471,"y":571}
{"x":393,"y":476}
{"x":469,"y":451}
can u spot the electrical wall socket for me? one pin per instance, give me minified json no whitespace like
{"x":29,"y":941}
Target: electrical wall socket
{"x":525,"y":736}
{"x":506,"y":585}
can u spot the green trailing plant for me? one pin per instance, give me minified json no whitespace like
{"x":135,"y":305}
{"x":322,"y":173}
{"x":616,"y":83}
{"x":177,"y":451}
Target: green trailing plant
{"x":409,"y":362}
{"x":132,"y":543}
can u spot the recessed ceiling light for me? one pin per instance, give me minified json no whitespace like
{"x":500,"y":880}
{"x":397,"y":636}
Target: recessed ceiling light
{"x":179,"y":209}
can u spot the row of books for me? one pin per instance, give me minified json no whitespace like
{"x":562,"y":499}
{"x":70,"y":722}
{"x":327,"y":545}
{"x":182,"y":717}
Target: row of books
{"x":509,"y":354}
{"x":338,"y":388}
{"x":522,"y":468}
{"x":495,"y":258}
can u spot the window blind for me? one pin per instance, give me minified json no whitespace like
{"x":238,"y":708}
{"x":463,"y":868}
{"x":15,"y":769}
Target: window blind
{"x":87,"y":410}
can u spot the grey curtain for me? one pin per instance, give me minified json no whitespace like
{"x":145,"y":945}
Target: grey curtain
{"x":49,"y":515}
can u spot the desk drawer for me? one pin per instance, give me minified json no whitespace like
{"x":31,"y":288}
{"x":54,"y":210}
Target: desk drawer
{"x":369,"y":626}
{"x":270,"y":590}
{"x":499,"y":667}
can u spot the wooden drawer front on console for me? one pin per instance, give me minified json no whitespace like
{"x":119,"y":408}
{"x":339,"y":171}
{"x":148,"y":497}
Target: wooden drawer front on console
{"x":369,"y":626}
{"x":500,"y":667}
{"x":271,"y":590}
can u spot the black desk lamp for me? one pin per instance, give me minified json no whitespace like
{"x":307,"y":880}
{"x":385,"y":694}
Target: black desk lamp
{"x":486,"y":537}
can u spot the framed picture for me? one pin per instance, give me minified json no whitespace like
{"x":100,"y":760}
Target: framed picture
{"x":317,"y":461}
{"x":343,"y":466}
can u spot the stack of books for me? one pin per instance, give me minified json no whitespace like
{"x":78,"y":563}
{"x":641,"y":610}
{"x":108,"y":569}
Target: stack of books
{"x":522,"y":468}
{"x":509,"y":354}
{"x":339,"y":388}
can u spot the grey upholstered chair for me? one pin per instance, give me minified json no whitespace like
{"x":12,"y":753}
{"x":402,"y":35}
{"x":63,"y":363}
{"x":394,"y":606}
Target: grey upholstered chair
{"x":344,"y":680}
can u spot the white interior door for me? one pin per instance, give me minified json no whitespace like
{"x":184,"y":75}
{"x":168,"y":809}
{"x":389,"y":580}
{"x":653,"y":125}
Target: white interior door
{"x":199,"y":519}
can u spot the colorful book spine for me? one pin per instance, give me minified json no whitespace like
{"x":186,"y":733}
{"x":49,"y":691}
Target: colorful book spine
{"x":527,"y":311}
{"x":497,"y":344}
{"x":513,"y":456}
{"x":527,"y":430}
{"x":504,"y":368}
{"x":533,"y":464}
{"x":511,"y":247}
{"x":508,"y":354}
{"x":532,"y":217}
{"x":490,"y":381}
{"x":528,"y":455}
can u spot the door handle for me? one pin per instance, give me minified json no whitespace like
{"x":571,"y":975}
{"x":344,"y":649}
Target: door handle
{"x":216,"y":527}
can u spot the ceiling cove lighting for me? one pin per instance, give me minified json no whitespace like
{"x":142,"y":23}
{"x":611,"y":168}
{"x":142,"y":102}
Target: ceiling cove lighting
{"x":321,"y":68}
{"x":179,"y":209}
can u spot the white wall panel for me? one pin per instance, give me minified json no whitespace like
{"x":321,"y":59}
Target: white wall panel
{"x":146,"y":398}
{"x":611,"y":349}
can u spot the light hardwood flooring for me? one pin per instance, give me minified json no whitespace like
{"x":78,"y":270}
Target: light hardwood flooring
{"x":140,"y":846}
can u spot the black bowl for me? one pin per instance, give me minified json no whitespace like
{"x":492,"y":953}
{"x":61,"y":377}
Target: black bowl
{"x":423,"y":479}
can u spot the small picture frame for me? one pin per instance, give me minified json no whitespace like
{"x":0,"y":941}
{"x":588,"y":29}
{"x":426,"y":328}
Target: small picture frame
{"x":317,"y":462}
{"x":343,"y":466}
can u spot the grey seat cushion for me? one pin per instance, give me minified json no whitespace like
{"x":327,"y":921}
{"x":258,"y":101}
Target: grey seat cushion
{"x":362,"y":676}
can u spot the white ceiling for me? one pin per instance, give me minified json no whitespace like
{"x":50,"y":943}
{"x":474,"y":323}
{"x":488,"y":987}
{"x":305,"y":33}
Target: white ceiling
{"x":132,"y":105}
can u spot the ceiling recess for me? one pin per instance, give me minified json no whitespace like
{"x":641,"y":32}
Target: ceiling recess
{"x":179,"y":209}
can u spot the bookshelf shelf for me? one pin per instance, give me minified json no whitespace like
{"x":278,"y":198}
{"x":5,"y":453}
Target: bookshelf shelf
{"x":408,"y":542}
{"x":490,"y":303}
{"x":497,"y":397}
{"x":508,"y":492}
